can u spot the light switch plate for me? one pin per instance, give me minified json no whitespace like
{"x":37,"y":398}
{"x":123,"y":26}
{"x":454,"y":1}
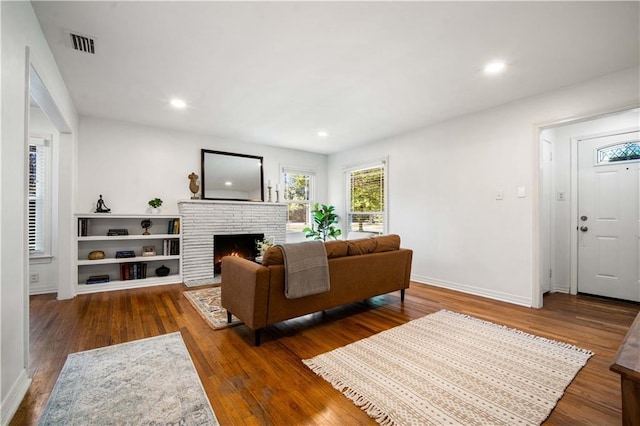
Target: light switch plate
{"x":521,"y":192}
{"x":499,"y":194}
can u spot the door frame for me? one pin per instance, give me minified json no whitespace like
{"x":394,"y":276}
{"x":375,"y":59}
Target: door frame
{"x":546,"y":195}
{"x":536,"y":204}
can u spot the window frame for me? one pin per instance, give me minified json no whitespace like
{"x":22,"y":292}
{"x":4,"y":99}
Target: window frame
{"x":44,"y":143}
{"x":346,"y":223}
{"x":284,"y":170}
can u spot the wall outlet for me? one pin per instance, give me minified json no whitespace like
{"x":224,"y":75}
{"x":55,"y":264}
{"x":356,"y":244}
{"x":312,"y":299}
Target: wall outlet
{"x":34,"y":277}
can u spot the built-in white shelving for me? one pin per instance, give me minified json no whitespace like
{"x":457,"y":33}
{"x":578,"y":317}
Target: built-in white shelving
{"x":92,"y":235}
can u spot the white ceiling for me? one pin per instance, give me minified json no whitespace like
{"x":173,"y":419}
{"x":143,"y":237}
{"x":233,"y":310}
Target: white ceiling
{"x":277,"y":72}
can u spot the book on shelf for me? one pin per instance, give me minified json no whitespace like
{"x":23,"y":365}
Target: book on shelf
{"x":133,"y":271}
{"x":97,"y":279}
{"x":112,"y":232}
{"x":173,"y":226}
{"x":83,"y":227}
{"x":170,"y":247}
{"x":120,"y":254}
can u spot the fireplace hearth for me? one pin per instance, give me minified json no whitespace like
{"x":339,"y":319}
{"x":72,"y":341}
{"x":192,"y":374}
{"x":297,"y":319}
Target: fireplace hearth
{"x":241,"y":245}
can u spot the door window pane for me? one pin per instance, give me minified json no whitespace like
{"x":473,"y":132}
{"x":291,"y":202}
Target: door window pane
{"x":626,"y":151}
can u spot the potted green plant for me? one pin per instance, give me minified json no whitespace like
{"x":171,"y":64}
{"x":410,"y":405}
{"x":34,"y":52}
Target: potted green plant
{"x":155,"y":205}
{"x":264,"y":244}
{"x":324,"y":223}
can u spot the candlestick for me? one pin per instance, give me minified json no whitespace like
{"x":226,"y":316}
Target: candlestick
{"x":269,"y":190}
{"x":277,"y":195}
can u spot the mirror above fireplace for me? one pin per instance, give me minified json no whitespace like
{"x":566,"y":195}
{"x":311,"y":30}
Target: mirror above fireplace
{"x":230,"y":176}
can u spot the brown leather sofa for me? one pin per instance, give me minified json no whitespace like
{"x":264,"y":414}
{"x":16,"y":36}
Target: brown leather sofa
{"x":358,"y":270}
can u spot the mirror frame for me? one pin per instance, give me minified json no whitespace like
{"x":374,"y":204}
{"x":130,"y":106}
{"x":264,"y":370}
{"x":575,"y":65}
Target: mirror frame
{"x":205,"y":152}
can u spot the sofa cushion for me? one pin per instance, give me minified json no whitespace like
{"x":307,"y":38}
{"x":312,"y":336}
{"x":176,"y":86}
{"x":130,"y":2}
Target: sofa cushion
{"x":387,"y":243}
{"x":336,"y":248}
{"x":341,"y":248}
{"x":377,"y":244}
{"x":364,"y":246}
{"x":273,"y":256}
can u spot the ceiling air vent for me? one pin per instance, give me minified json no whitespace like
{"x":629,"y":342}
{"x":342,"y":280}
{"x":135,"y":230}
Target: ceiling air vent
{"x":82,"y":43}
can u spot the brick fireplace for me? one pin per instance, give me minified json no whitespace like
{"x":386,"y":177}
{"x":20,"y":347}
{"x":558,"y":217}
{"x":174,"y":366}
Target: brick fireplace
{"x":202,"y":219}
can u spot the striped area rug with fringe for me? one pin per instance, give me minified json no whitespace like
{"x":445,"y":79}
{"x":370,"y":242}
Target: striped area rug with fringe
{"x":449,"y":368}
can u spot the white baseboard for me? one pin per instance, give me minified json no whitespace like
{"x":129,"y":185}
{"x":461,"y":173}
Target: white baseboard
{"x":14,"y":398}
{"x":478,"y":291}
{"x":42,"y":289}
{"x":560,"y":288}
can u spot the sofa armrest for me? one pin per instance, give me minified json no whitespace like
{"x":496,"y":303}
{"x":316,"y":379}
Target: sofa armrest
{"x":245,"y":289}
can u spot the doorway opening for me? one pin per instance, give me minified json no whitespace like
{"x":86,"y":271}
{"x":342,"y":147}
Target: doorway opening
{"x":583,"y":203}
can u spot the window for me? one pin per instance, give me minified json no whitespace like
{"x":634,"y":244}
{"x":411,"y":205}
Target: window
{"x":39,"y":177}
{"x":366,"y":199}
{"x":626,"y":151}
{"x":298,"y":193}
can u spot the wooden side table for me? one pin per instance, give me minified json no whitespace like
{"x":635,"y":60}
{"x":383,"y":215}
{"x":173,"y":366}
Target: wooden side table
{"x":627,"y":364}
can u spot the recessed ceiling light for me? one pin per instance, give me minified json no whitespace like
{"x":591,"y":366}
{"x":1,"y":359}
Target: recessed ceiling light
{"x":178,"y":103}
{"x":228,"y":183}
{"x":323,"y":133}
{"x":494,"y":68}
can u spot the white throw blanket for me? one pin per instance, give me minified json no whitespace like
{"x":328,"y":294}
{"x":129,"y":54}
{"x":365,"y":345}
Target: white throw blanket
{"x":306,"y":269}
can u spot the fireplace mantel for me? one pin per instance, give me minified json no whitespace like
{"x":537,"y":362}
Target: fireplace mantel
{"x":202,"y":219}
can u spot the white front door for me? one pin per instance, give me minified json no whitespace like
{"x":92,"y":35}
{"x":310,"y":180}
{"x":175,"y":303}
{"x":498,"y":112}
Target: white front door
{"x":608,"y":222}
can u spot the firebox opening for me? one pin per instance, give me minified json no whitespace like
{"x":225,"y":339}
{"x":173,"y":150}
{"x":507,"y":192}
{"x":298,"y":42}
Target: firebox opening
{"x":242,"y":245}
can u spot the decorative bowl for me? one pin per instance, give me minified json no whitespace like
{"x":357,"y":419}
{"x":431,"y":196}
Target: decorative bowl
{"x":96,"y":255}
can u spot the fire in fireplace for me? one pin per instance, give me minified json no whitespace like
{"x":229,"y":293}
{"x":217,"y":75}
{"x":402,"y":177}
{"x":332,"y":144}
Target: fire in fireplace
{"x":242,"y":245}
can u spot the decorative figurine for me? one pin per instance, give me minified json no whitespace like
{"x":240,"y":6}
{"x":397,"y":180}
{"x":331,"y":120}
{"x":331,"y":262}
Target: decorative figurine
{"x":101,"y":207}
{"x":193,"y":186}
{"x":146,"y":224}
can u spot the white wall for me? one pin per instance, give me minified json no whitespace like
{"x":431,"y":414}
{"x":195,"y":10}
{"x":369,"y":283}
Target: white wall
{"x":443,"y":182}
{"x":562,"y":136}
{"x":130,"y":164}
{"x":20,"y":29}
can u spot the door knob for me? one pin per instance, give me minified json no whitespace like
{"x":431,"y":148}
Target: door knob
{"x":584,"y":228}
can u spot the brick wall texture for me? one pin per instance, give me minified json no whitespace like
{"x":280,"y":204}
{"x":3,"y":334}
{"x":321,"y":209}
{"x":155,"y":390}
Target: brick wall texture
{"x":201,"y":220}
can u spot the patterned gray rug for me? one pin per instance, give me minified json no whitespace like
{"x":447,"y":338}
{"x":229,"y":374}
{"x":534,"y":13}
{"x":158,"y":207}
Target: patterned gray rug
{"x":150,"y":381}
{"x":449,"y":368}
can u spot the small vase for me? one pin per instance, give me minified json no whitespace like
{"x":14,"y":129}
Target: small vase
{"x":155,"y":210}
{"x":162,"y":271}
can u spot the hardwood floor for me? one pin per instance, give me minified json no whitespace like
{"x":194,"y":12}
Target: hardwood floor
{"x":270,"y":385}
